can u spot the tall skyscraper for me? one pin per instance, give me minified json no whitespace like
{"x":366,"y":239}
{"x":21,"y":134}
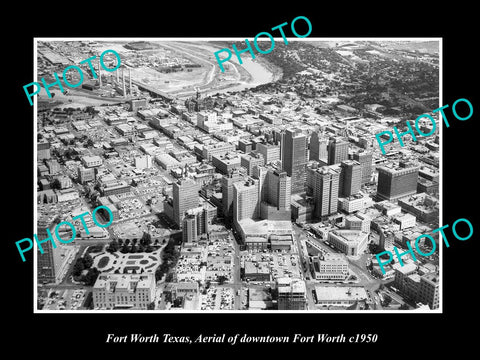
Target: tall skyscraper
{"x":185,"y":197}
{"x":318,"y":146}
{"x":396,"y":183}
{"x":294,"y":158}
{"x":189,"y":229}
{"x":365,"y":159}
{"x":245,"y":200}
{"x":274,"y":190}
{"x":278,"y":189}
{"x":46,"y":261}
{"x":325,"y":182}
{"x":351,"y":177}
{"x":227,"y":191}
{"x":54,"y":263}
{"x":260,"y":173}
{"x":337,"y":150}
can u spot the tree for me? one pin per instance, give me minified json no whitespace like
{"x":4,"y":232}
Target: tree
{"x":178,"y":302}
{"x":89,"y":143}
{"x":404,"y":306}
{"x":151,"y":306}
{"x":221,"y":279}
{"x":387,"y":299}
{"x":78,"y":267}
{"x":87,"y":261}
{"x":91,"y":276}
{"x":125,"y":248}
{"x":146,"y":239}
{"x":113,"y":246}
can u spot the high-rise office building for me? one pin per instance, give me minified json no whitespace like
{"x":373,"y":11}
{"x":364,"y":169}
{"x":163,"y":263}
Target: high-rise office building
{"x":260,"y":173}
{"x":325,"y":182}
{"x":45,"y":262}
{"x":189,"y":229}
{"x":276,"y":196}
{"x":245,"y":200}
{"x":337,"y":150}
{"x":351,"y":177}
{"x":294,"y":158}
{"x":278,"y":189}
{"x":365,"y":159}
{"x":227,"y":191}
{"x":248,"y":161}
{"x":185,"y":197}
{"x":54,"y":263}
{"x":269,"y":152}
{"x":396,"y":183}
{"x":318,"y":146}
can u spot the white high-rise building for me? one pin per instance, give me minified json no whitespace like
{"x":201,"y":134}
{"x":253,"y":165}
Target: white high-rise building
{"x":185,"y":197}
{"x":245,"y":200}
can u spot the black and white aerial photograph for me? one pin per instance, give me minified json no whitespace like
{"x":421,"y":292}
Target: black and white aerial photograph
{"x":262,"y":187}
{"x":210,"y":180}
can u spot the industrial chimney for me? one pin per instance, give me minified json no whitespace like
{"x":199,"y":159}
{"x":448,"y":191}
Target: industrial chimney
{"x":123,"y":76}
{"x":130,"y":79}
{"x":99,"y":74}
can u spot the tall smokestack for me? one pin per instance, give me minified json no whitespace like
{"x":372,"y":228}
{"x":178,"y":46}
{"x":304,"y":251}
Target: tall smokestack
{"x":99,"y":74}
{"x":130,"y":79}
{"x":123,"y":76}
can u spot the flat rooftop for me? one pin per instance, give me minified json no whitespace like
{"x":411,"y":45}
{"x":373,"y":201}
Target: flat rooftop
{"x":340,"y":293}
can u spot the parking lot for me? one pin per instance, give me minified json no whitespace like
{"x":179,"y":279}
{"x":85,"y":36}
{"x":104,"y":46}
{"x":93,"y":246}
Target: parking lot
{"x":218,"y":299}
{"x":280,"y":263}
{"x":65,"y":299}
{"x":132,"y":208}
{"x":135,"y":228}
